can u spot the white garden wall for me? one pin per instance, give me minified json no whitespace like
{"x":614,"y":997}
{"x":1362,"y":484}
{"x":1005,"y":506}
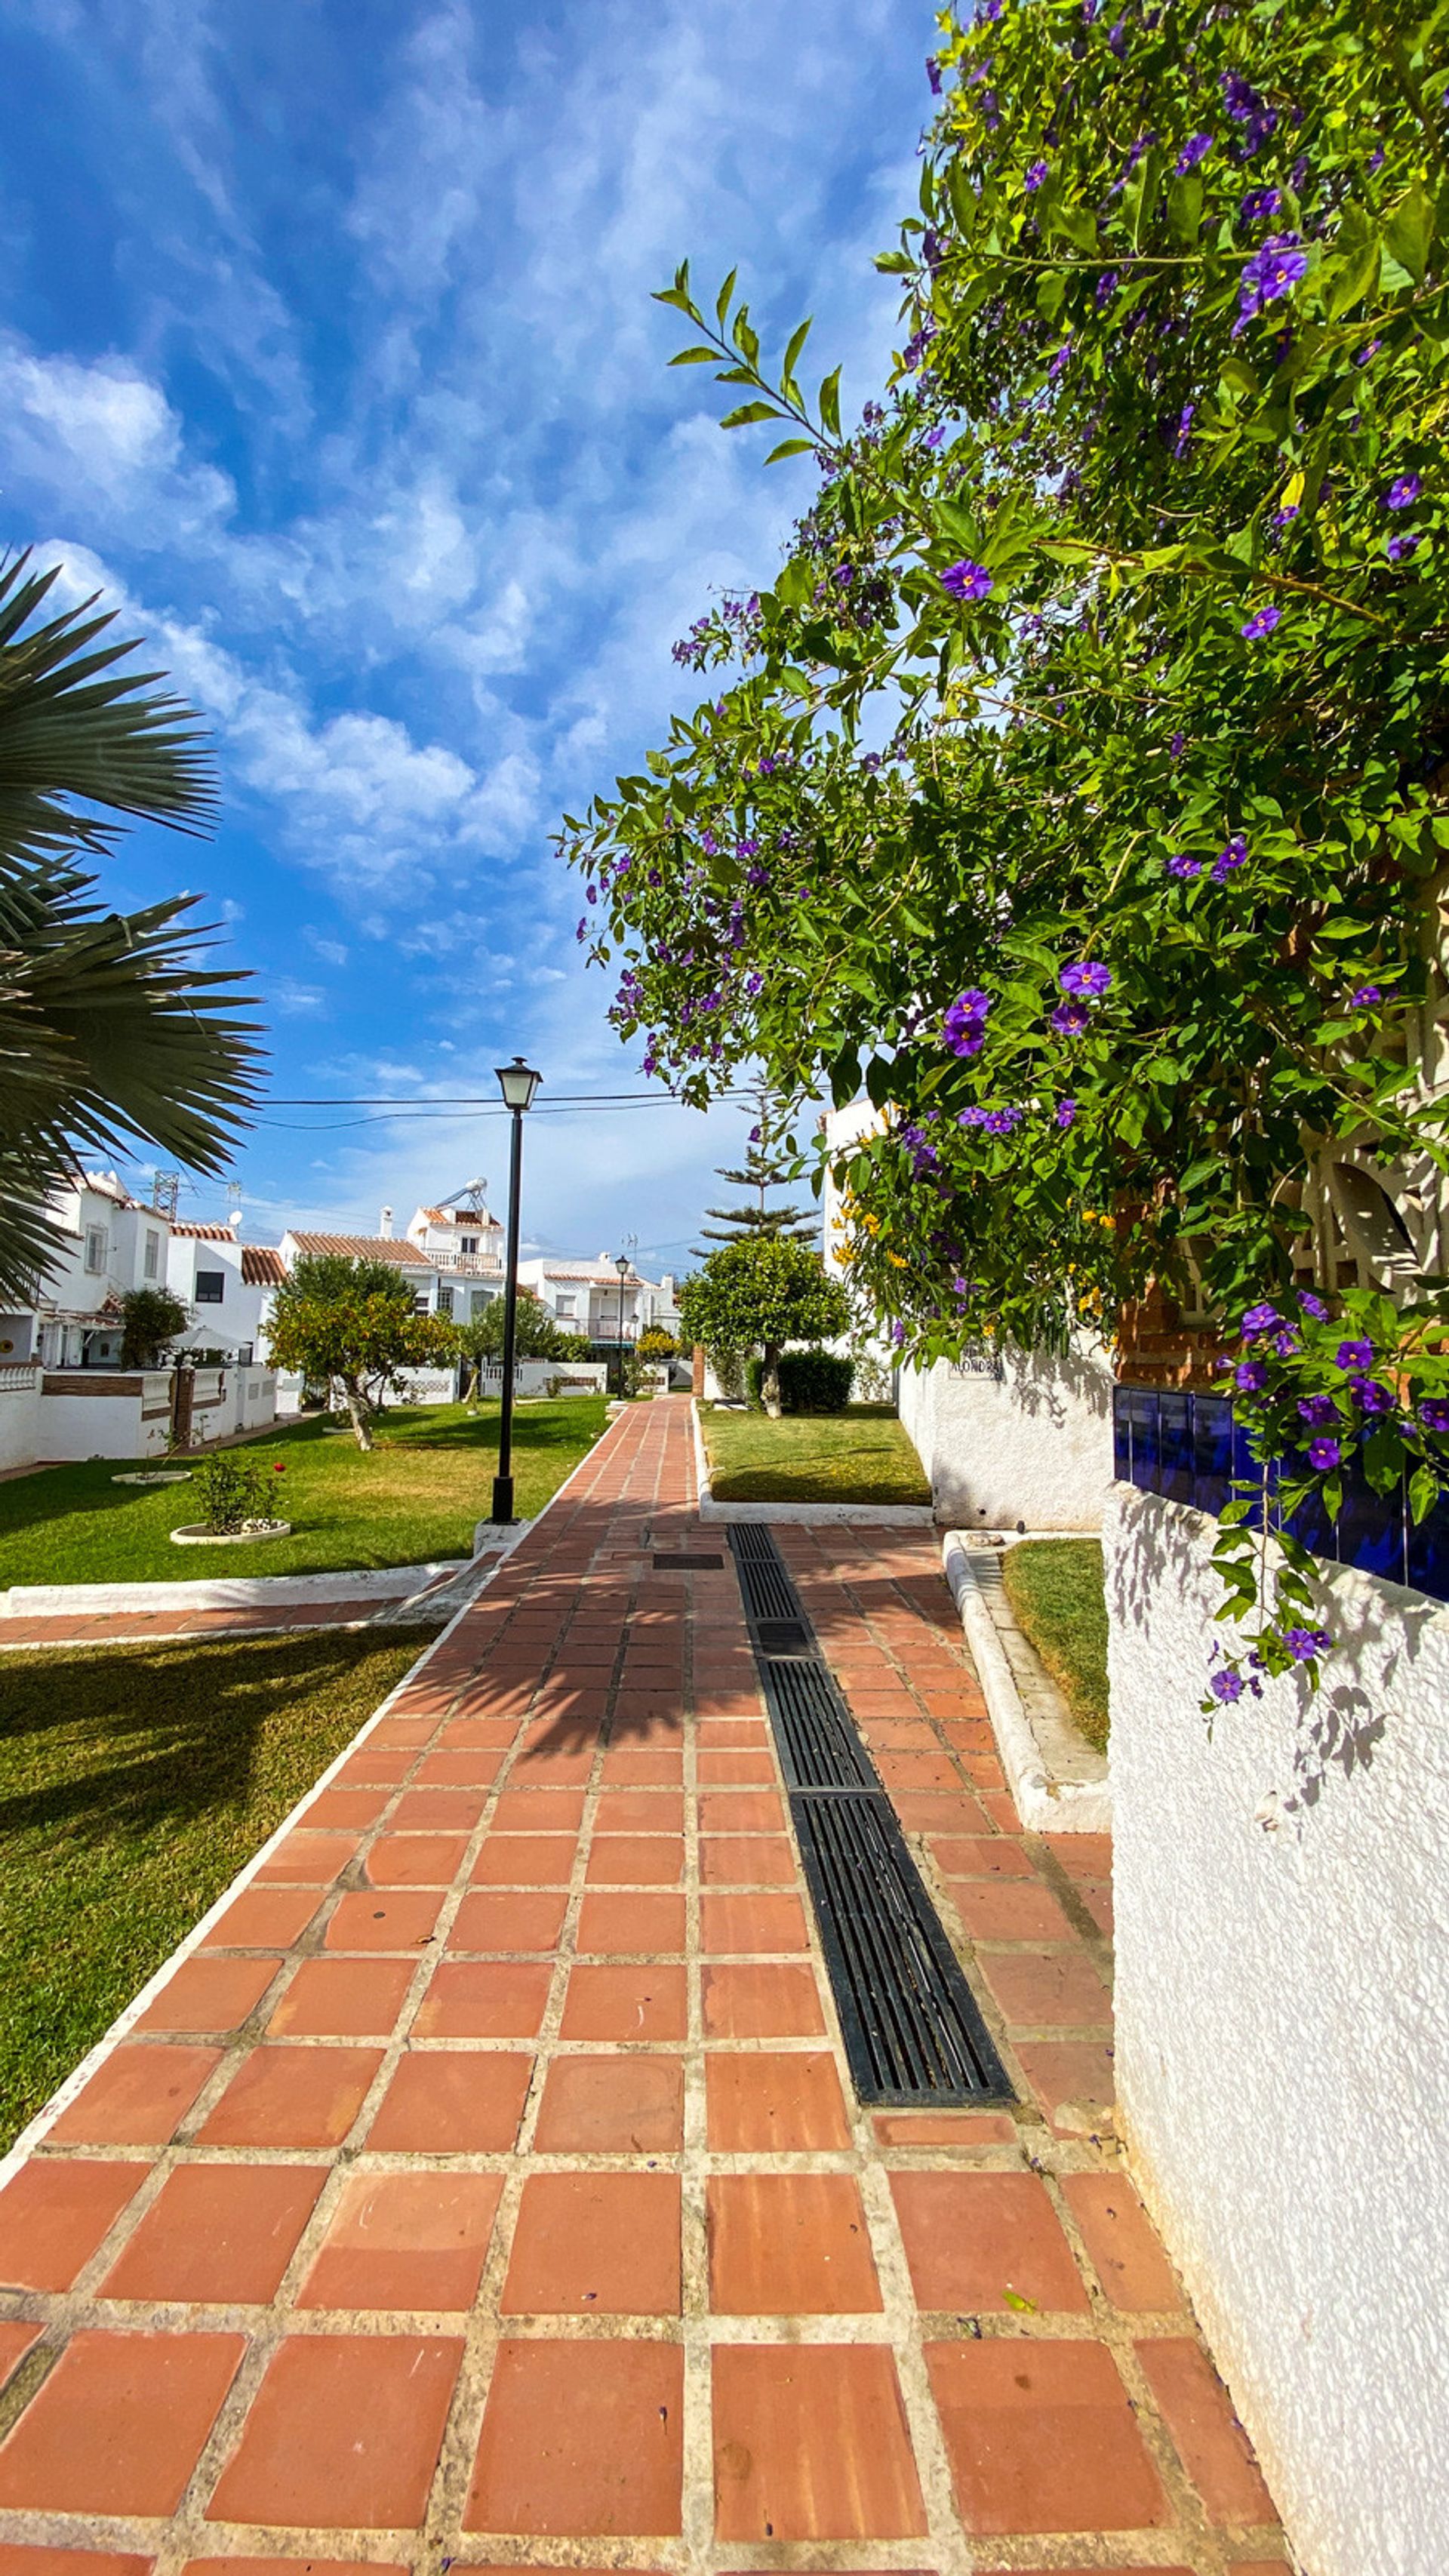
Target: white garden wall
{"x":1282,"y":1893}
{"x":1014,"y":1436}
{"x":19,"y":1413}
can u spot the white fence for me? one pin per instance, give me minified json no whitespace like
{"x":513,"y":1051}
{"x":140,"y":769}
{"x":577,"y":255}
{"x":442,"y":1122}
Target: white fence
{"x":1014,"y":1436}
{"x":1282,"y":1996}
{"x":51,"y":1416}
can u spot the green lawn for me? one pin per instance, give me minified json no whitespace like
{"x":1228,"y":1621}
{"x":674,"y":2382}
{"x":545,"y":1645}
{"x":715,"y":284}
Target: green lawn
{"x":860,"y":1456}
{"x":411,"y":1500}
{"x":134,"y":1782}
{"x":1055,"y":1587}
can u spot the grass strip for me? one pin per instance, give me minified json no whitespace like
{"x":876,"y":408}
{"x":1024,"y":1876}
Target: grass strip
{"x":135,"y":1781}
{"x":1056,"y":1588}
{"x":860,"y":1456}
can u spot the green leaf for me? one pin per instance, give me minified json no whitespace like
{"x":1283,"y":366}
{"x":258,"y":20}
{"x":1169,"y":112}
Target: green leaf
{"x":695,"y":358}
{"x":1184,"y":205}
{"x":746,"y":413}
{"x":1410,"y":229}
{"x":1353,"y":268}
{"x":798,"y":339}
{"x":830,"y":402}
{"x":790,"y":447}
{"x":722,"y":300}
{"x":895,"y":263}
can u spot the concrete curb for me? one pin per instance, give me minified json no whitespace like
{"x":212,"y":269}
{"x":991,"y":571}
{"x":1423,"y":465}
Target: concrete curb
{"x":1046,"y":1802}
{"x":807,"y":1515}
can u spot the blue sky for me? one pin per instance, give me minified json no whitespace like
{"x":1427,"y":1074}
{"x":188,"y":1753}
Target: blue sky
{"x":327,"y":349}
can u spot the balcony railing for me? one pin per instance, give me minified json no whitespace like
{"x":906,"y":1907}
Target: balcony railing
{"x":1190,"y":1449}
{"x":475,"y":1265}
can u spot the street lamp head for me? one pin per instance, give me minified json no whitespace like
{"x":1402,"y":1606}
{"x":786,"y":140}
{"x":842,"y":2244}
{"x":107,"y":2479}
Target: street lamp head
{"x":518,"y":1082}
{"x":621,"y":1264}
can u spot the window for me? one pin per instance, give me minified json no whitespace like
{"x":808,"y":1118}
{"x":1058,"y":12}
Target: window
{"x":567,"y":1305}
{"x":420,"y":1301}
{"x":95,"y":1248}
{"x":481,"y":1297}
{"x":445,"y":1297}
{"x":210,"y":1287}
{"x":470,"y":1243}
{"x":151,"y":1255}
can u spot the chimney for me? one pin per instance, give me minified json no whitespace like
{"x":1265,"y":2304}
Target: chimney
{"x":384,"y":1224}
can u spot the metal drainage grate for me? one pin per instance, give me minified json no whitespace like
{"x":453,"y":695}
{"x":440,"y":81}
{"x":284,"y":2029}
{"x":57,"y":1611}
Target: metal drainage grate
{"x":689,"y":1565}
{"x":819,"y":1747}
{"x":768,"y":1590}
{"x":912,"y":2030}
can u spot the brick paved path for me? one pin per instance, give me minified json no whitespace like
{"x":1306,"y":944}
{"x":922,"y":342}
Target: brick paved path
{"x":487,"y":2188}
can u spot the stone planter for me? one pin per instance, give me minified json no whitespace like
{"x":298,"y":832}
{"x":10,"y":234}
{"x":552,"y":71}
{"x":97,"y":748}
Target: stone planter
{"x":155,"y":1476}
{"x":196,"y":1534}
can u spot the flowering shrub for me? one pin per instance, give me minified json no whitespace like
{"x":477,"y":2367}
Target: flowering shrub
{"x":238,"y":1490}
{"x":1080,"y":788}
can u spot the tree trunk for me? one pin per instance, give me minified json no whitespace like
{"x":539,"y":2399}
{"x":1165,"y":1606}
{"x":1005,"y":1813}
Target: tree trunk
{"x":358,"y":1412}
{"x":770,"y":1381}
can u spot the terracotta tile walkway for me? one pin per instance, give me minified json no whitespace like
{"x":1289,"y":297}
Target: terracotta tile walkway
{"x":487,"y":2189}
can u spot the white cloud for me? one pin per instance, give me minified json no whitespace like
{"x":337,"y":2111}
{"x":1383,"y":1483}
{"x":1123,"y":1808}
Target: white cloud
{"x":106,"y":434}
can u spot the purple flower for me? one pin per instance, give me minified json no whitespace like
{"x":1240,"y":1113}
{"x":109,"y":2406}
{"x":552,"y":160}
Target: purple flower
{"x":1304,"y":1643}
{"x":1183,"y":864}
{"x":934,"y":437}
{"x":1369,"y":350}
{"x":1402,"y":493}
{"x":1324,"y":1454}
{"x":1070,"y":1018}
{"x":1400,"y":549}
{"x":1184,"y":429}
{"x":1261,"y":624}
{"x":1434,"y":1413}
{"x":1066,"y":1113}
{"x":754,"y":984}
{"x":1061,"y":359}
{"x":1117,"y":38}
{"x":1261,"y":1319}
{"x":1366,"y":993}
{"x":1177,"y":746}
{"x":898,"y":1334}
{"x":1035,"y":172}
{"x":1317,"y":1411}
{"x":1230,"y":858}
{"x":1354,"y":1355}
{"x":1250,"y":1375}
{"x":1193,"y":152}
{"x":1087,"y":977}
{"x":967,"y":580}
{"x":1226,"y":1686}
{"x":933,"y":75}
{"x":1272,"y":272}
{"x":1000,"y":1122}
{"x":964,"y":1025}
{"x":1312,"y":1305}
{"x":1369,"y":1396}
{"x":1107,"y":285}
{"x":1259,"y":204}
{"x":746,"y":849}
{"x":1284,"y":518}
{"x":1286,"y":1342}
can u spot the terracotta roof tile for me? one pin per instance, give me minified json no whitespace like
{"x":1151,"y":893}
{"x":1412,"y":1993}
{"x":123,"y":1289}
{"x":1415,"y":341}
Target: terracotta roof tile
{"x":364,"y":1247}
{"x":262,"y":1266}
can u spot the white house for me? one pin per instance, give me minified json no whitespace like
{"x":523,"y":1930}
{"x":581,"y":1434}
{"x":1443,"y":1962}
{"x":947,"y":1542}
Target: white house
{"x":596,"y":1299}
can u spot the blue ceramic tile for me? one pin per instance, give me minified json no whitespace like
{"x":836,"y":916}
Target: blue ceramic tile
{"x":1310,"y":1524}
{"x":1370,"y":1530}
{"x":1175,"y":1445}
{"x":1145,"y":1405}
{"x":1428,"y":1553}
{"x":1247,"y":1471}
{"x":1212,"y":1451}
{"x":1121,"y":1435}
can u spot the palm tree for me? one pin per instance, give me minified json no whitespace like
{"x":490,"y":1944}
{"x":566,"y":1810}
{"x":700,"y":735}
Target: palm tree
{"x":110,"y":1027}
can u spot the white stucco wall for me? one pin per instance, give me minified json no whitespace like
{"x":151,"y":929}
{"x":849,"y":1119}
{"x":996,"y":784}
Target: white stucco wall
{"x":19,"y":1415}
{"x":1282,"y":1892}
{"x":1019,"y":1437}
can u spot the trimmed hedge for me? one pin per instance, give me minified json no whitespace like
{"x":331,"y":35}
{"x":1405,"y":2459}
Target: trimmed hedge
{"x":810,"y":1381}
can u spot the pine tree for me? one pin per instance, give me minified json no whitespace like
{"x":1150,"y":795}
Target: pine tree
{"x":764,"y":1169}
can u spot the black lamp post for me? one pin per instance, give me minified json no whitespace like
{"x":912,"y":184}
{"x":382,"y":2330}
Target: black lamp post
{"x":518,"y":1082}
{"x":621,"y":1264}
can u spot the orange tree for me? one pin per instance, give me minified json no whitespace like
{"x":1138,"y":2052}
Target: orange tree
{"x":1078,"y":785}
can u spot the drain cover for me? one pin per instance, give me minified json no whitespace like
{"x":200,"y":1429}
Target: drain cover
{"x":912,"y":2030}
{"x":689,"y":1565}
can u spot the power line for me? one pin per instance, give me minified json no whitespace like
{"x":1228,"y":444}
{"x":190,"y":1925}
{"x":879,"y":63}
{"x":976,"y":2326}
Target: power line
{"x":478,"y":1100}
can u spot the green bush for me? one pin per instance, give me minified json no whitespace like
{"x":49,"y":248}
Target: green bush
{"x":234,"y":1487}
{"x":810,"y":1382}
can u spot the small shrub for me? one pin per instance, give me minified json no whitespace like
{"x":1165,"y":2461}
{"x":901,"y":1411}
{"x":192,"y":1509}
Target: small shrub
{"x":810,"y":1382}
{"x":235,"y":1490}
